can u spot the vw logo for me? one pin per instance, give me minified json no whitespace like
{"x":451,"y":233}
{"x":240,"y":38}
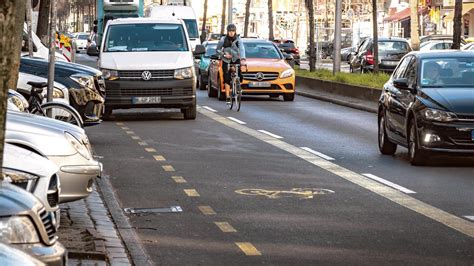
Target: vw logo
{"x":259,"y":76}
{"x":146,"y":75}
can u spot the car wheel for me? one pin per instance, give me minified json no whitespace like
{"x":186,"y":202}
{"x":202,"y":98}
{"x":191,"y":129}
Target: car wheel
{"x":211,"y":92}
{"x":417,"y":155}
{"x":220,"y":95}
{"x":386,"y":147}
{"x":202,"y":84}
{"x":289,"y":97}
{"x":189,"y":113}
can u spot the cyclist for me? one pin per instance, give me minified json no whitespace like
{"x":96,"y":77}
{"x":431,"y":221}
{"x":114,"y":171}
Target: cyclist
{"x":232,"y":51}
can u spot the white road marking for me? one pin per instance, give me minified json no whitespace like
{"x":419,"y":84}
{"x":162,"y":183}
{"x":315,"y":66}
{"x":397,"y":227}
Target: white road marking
{"x":317,"y":153}
{"x":454,"y":222}
{"x":390,"y":184}
{"x":236,"y":120}
{"x":210,"y":109}
{"x":270,"y":134}
{"x":470,"y":217}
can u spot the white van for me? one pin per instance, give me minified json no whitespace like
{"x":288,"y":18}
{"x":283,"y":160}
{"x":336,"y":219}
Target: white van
{"x":148,"y":62}
{"x":185,"y":13}
{"x":39,"y":50}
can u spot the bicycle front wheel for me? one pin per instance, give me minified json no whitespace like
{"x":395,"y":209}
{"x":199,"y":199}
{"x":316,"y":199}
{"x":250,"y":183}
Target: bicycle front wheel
{"x":238,"y":96}
{"x":61,"y":112}
{"x":232,"y":91}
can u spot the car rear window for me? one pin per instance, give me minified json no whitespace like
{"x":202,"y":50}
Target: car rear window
{"x":287,"y":45}
{"x":82,"y":37}
{"x":398,"y":46}
{"x":447,"y":72}
{"x":261,"y":50}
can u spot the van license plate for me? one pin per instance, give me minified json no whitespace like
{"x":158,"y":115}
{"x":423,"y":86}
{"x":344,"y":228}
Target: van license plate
{"x":146,"y":100}
{"x":260,"y":84}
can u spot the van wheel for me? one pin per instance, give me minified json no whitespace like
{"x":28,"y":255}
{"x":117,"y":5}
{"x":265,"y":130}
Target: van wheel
{"x":189,"y":113}
{"x":289,"y":97}
{"x":220,"y":94}
{"x":211,"y":92}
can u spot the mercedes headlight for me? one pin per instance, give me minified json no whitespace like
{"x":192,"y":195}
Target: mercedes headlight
{"x":109,"y":74}
{"x":18,"y":100}
{"x":183,"y":73}
{"x":78,"y":146}
{"x":85,"y":80}
{"x":24,"y":180}
{"x":287,"y":73}
{"x":18,"y":230}
{"x":438,"y":115}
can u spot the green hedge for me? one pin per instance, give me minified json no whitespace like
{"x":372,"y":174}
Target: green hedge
{"x":368,"y":80}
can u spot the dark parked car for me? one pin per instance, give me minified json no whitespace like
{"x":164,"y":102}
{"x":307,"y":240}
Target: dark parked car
{"x":289,"y":47}
{"x":391,"y":50}
{"x":204,"y":63}
{"x":86,"y":85}
{"x":427,"y":105}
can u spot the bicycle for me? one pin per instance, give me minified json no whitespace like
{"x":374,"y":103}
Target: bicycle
{"x":54,"y":110}
{"x":236,"y":89}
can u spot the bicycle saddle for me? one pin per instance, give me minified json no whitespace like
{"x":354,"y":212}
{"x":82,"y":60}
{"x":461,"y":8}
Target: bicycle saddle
{"x":38,"y":84}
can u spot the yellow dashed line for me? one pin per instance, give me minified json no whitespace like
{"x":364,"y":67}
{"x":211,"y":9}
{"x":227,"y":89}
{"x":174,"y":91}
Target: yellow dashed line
{"x":130,"y":132}
{"x":150,"y":150}
{"x":125,"y":128}
{"x":191,"y":193}
{"x":248,"y":249}
{"x":225,"y":227}
{"x":168,"y":168}
{"x":159,"y":158}
{"x":178,"y":179}
{"x":135,"y":137}
{"x":119,"y":124}
{"x":142,"y":143}
{"x":207,"y":210}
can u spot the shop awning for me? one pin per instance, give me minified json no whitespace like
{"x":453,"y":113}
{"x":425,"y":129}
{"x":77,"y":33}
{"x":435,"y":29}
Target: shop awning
{"x":404,"y":14}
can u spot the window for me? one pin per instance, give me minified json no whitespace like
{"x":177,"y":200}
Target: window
{"x":447,"y":72}
{"x":261,"y":50}
{"x":145,"y":37}
{"x":192,"y":28}
{"x":400,"y":70}
{"x":393,"y":46}
{"x":410,"y":74}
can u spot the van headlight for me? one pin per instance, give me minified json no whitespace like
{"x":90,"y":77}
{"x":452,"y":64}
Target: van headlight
{"x":109,"y":74}
{"x":18,"y":230}
{"x":438,"y":115}
{"x":21,"y":179}
{"x":85,"y":80}
{"x":287,"y":73}
{"x":183,"y":73}
{"x":78,"y":146}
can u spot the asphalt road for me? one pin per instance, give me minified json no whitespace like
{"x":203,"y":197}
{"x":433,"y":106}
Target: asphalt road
{"x":248,"y":197}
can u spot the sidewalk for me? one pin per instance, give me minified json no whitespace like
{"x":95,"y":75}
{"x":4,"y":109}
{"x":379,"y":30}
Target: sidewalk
{"x":89,"y":233}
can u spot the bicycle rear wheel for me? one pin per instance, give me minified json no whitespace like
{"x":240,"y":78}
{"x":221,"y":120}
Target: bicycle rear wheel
{"x":61,"y":112}
{"x":238,"y":96}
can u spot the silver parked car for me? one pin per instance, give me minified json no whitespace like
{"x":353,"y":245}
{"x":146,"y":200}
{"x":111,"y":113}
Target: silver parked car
{"x":34,"y":173}
{"x":24,"y":224}
{"x":64,"y":144}
{"x":12,"y":256}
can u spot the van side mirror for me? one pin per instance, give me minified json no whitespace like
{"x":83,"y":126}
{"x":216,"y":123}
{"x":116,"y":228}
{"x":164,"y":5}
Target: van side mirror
{"x":199,"y":50}
{"x":93,"y":51}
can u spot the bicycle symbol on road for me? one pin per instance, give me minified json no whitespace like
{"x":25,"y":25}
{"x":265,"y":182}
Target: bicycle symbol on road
{"x":301,"y":193}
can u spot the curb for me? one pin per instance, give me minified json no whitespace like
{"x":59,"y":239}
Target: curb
{"x":130,"y":239}
{"x":338,"y":102}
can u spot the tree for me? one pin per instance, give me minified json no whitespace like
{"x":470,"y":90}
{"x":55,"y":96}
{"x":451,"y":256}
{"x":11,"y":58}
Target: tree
{"x":247,"y":15}
{"x":270,"y":20}
{"x":457,"y":27}
{"x":375,"y":30}
{"x":223,"y":16}
{"x":415,"y":36}
{"x":312,"y":51}
{"x":43,"y":20}
{"x":203,"y":30}
{"x":12,"y":17}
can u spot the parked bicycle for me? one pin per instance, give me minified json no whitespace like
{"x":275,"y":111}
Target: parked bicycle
{"x":33,"y":103}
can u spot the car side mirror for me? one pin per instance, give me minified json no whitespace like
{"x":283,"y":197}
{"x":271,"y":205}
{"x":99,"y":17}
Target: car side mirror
{"x":215,"y":57}
{"x":93,"y":51}
{"x":198,"y":51}
{"x":289,"y":57}
{"x":401,"y":83}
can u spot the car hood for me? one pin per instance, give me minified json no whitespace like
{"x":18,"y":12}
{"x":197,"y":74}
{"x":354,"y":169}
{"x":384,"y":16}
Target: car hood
{"x":59,"y":66}
{"x":78,"y":67}
{"x":269,"y":65}
{"x":17,"y":201}
{"x":456,"y":100}
{"x":20,"y":159}
{"x":44,"y":134}
{"x":146,"y":60}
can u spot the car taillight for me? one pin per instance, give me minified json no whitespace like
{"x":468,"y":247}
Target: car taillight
{"x":369,"y":58}
{"x":295,"y":50}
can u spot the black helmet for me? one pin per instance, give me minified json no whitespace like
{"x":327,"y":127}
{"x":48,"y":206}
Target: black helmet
{"x":231,"y":27}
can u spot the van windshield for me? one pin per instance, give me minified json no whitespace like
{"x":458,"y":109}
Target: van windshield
{"x":145,"y":37}
{"x":192,"y":28}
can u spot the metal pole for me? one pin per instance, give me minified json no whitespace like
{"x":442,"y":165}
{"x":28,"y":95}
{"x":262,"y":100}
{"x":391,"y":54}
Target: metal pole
{"x":317,"y":44}
{"x":28,"y":23}
{"x":376,"y":36}
{"x":229,"y":12}
{"x":52,"y":51}
{"x":337,"y":38}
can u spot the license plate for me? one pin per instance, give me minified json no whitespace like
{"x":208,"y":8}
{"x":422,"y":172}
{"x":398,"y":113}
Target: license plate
{"x":259,"y":84}
{"x":146,"y":100}
{"x":390,"y":63}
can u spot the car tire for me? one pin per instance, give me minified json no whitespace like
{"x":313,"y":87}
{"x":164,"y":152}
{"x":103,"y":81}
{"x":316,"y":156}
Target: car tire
{"x":189,"y":113}
{"x":417,"y":155}
{"x":211,"y":92}
{"x":386,"y":146}
{"x":289,"y":97}
{"x":220,"y":95}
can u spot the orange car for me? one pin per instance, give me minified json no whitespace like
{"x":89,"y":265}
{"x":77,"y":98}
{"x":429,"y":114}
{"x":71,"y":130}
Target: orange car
{"x":268,"y":72}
